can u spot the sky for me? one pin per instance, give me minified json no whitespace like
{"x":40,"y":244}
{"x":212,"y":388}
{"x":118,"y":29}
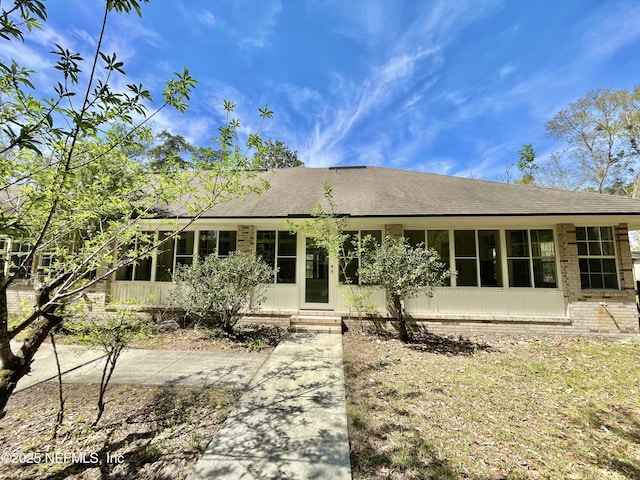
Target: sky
{"x":453,"y":87}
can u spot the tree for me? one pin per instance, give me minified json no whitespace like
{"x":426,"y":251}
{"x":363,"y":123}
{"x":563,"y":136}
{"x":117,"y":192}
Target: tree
{"x":526,"y":164}
{"x":112,"y":333}
{"x":404,"y":271}
{"x":168,"y":153}
{"x":601,"y":135}
{"x":218,"y":290}
{"x":277,"y":155}
{"x":326,"y":229}
{"x":72,"y":200}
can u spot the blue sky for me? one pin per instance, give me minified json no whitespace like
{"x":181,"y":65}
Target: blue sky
{"x":452,"y":86}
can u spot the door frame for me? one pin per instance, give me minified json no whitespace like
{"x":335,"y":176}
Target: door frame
{"x":331,"y":280}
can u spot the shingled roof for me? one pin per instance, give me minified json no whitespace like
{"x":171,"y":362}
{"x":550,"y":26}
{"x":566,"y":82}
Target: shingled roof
{"x":384,"y":192}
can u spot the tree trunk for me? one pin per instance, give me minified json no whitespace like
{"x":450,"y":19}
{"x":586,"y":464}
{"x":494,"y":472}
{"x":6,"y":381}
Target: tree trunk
{"x":398,"y":314}
{"x":14,"y":367}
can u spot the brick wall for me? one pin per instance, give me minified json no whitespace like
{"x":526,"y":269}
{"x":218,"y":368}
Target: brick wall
{"x":593,"y":311}
{"x":246,"y":239}
{"x":393,"y":230}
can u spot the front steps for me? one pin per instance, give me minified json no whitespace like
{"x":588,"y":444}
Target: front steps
{"x":315,"y":323}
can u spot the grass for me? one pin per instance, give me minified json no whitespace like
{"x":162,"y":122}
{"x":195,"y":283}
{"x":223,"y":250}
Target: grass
{"x":493,"y":409}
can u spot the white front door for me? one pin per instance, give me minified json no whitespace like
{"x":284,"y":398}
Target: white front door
{"x":318,"y":278}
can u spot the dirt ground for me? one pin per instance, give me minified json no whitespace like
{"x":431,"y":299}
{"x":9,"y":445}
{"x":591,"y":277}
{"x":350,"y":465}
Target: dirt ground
{"x":493,"y":407}
{"x":146,"y":432}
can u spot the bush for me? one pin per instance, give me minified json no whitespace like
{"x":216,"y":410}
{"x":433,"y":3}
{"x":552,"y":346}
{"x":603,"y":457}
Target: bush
{"x":218,"y":290}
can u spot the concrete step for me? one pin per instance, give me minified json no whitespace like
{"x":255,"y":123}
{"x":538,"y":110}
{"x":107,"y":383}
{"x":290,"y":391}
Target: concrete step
{"x":333,"y":329}
{"x":316,"y":320}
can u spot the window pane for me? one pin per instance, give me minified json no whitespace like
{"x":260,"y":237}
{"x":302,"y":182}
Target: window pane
{"x":348,"y":264}
{"x":125,"y":273}
{"x":286,"y":270}
{"x":594,"y":248}
{"x":266,"y":246}
{"x":465,"y":243}
{"x":596,"y":280}
{"x":286,"y":244}
{"x":542,"y":243}
{"x":208,"y":243}
{"x":519,"y":273}
{"x":608,"y":249}
{"x":517,"y":243}
{"x":414,"y":237}
{"x":606,"y":233}
{"x":584,"y":281}
{"x":164,"y":266}
{"x":376,"y":234}
{"x":609,"y":265}
{"x":439,"y":241}
{"x":467,"y":273}
{"x":581,"y":233}
{"x":582,"y":248}
{"x":350,"y":271}
{"x":595,"y":265}
{"x":185,"y":244}
{"x":610,"y":281}
{"x":544,"y":273}
{"x":490,"y":258}
{"x":143,"y":270}
{"x":593,"y":233}
{"x":227,"y":243}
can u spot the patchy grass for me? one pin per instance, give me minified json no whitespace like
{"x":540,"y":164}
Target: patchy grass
{"x":145,"y":433}
{"x":493,"y":408}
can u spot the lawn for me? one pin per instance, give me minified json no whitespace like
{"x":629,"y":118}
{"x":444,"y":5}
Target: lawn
{"x":493,"y":408}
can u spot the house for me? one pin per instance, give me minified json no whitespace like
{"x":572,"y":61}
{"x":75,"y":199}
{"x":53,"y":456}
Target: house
{"x":529,"y":259}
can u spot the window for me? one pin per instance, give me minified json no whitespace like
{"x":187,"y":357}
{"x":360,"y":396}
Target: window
{"x":184,"y":248}
{"x":349,"y":263}
{"x":164,"y":258}
{"x":227,"y":242}
{"x":436,"y":239}
{"x":208,"y":243}
{"x":278,"y":249}
{"x":219,"y":242}
{"x":490,"y":258}
{"x":531,"y":255}
{"x":466,"y":258}
{"x":414,"y":237}
{"x":19,"y":251}
{"x":180,"y":250}
{"x":478,"y":258}
{"x":597,"y":258}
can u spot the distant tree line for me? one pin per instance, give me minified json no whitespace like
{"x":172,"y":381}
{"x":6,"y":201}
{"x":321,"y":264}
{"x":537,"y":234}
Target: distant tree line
{"x":601,"y":134}
{"x":169,"y":151}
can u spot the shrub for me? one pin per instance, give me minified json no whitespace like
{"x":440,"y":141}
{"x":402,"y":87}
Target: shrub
{"x":219,"y":290}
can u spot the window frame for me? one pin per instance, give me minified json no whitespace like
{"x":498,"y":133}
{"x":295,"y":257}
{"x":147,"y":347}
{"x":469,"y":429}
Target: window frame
{"x":531,"y":258}
{"x":588,"y":256}
{"x":361,"y":233}
{"x":278,"y":256}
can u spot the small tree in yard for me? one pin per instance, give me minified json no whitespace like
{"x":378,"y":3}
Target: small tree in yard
{"x":112,"y":333}
{"x":404,"y":271}
{"x":218,"y":290}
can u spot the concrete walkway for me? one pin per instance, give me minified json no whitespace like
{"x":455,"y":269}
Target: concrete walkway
{"x":146,"y":367}
{"x":291,"y":423}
